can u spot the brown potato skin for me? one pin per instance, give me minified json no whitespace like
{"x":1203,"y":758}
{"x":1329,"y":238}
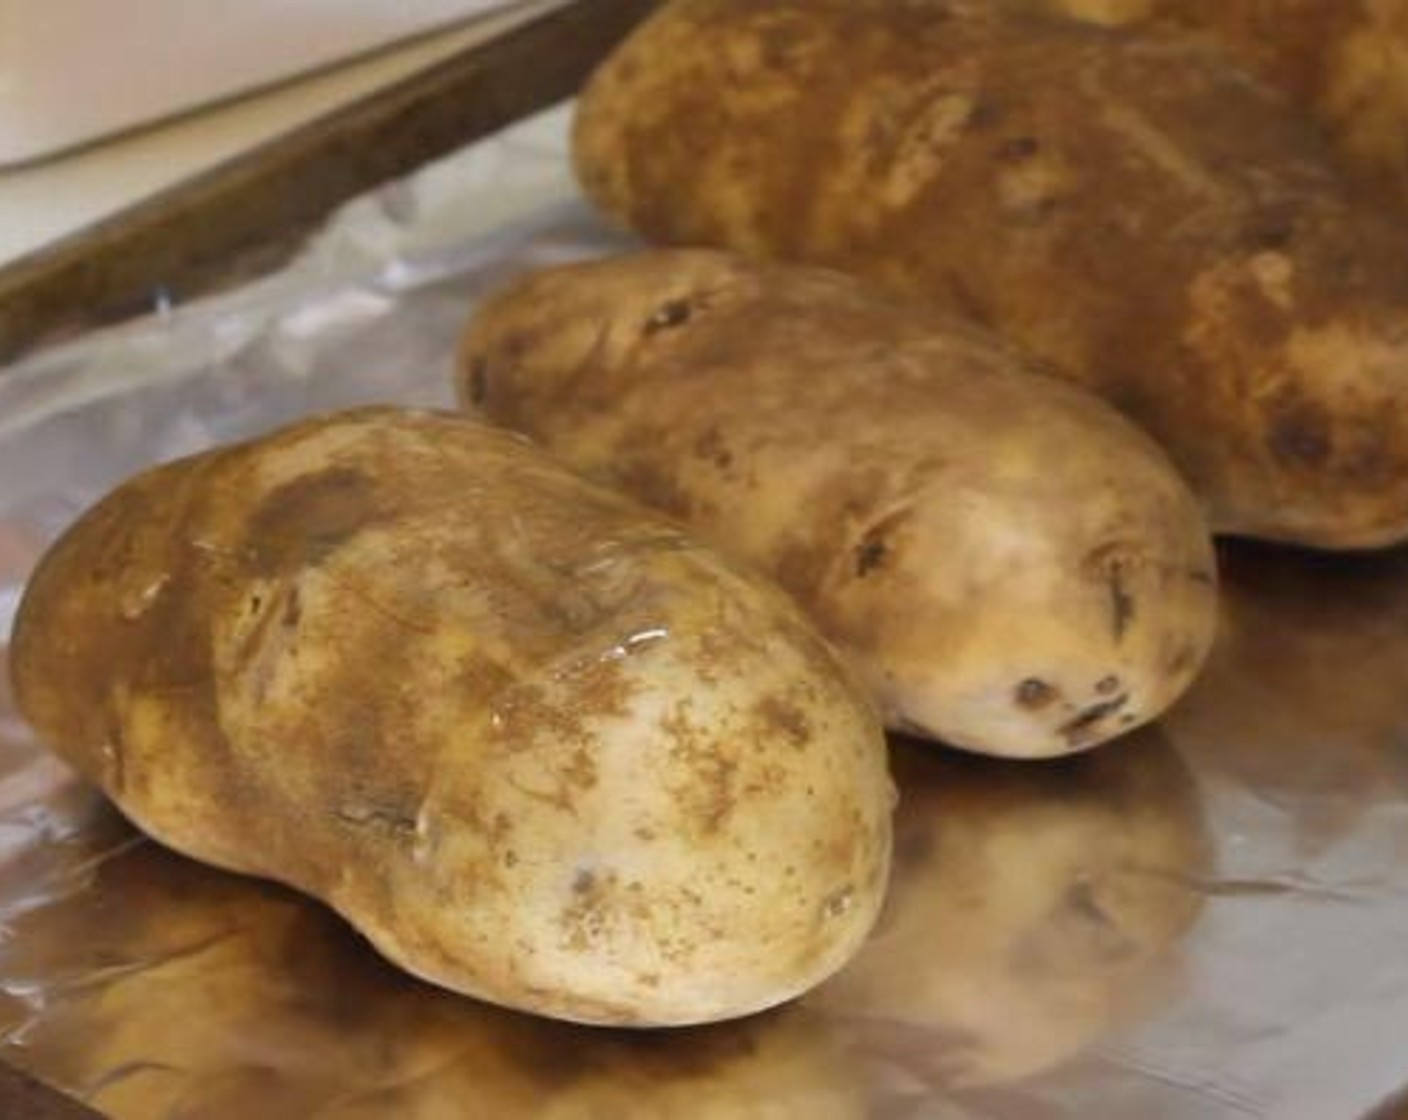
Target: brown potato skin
{"x":1346,"y":61}
{"x":1133,"y":209}
{"x":1010,"y":565}
{"x":527,"y":737}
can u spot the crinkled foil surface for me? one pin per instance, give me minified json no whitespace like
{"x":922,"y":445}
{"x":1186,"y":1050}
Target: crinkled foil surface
{"x":1204,"y":922}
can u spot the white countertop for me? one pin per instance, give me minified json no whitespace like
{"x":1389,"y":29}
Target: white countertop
{"x":41,"y":203}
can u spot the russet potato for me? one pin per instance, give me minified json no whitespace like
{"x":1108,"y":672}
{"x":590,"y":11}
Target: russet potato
{"x":532,"y":741}
{"x":1010,"y":565}
{"x":1133,"y":209}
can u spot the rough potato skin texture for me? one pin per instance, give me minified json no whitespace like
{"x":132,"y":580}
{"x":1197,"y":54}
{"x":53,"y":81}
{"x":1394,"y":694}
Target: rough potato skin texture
{"x":1010,"y":564}
{"x":1345,"y":60}
{"x":530,"y":740}
{"x":1133,"y":209}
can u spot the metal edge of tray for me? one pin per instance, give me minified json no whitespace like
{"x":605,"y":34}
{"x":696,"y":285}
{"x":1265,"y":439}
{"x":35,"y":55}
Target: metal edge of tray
{"x":249,"y":214}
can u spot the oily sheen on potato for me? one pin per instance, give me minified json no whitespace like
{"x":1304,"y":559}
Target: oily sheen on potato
{"x":1134,"y":209}
{"x":1009,"y":564}
{"x":532,"y":741}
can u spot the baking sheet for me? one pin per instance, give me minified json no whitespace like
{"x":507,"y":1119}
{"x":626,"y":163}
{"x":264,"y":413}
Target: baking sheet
{"x":1204,"y":921}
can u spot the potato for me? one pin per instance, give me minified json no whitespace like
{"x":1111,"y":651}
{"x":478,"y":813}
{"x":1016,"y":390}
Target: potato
{"x":1010,"y":565}
{"x":1344,"y":60}
{"x":235,"y":999}
{"x":1132,"y":209}
{"x":1034,"y":909}
{"x":534,"y":743}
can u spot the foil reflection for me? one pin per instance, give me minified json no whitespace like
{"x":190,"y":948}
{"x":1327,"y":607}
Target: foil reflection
{"x":167,"y":989}
{"x":1033,"y":908}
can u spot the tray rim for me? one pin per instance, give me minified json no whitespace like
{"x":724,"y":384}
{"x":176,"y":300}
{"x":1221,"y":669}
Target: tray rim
{"x":248,"y":215}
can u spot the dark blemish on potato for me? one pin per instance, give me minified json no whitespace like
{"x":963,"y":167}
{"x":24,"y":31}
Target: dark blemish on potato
{"x":673,"y":313}
{"x":1300,"y":435}
{"x":510,"y":858}
{"x":986,"y":112}
{"x":585,"y":919}
{"x":255,"y":602}
{"x":293,"y":608}
{"x":1018,"y":148}
{"x":1128,"y":718}
{"x":1078,"y":728}
{"x":874,"y":547}
{"x":1271,"y":231}
{"x":650,"y":484}
{"x":305,"y":520}
{"x":1121,"y":602}
{"x":644,"y":834}
{"x":1198,"y":575}
{"x":1080,"y":899}
{"x":710,"y":446}
{"x":1034,"y":694}
{"x":478,"y":379}
{"x":870,"y":554}
{"x":1107,"y":685}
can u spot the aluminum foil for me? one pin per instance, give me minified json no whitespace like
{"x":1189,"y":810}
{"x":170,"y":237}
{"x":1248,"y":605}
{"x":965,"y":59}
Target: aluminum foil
{"x":1207,"y":920}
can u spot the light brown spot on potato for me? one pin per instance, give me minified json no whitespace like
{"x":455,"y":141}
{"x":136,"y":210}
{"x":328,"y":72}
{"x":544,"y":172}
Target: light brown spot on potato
{"x":586,"y":919}
{"x":706,"y":793}
{"x":779,"y":715}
